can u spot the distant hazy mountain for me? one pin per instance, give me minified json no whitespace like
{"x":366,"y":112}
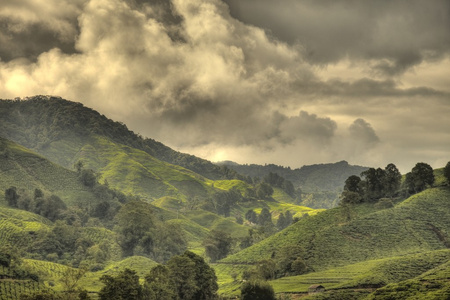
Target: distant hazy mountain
{"x":323,"y":182}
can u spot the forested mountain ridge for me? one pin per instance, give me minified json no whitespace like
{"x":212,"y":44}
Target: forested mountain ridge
{"x":320,"y":184}
{"x":37,"y":122}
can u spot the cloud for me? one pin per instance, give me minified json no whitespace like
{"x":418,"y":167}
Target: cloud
{"x":189,"y":74}
{"x":362,"y":132}
{"x":397,"y":34}
{"x":31,"y":27}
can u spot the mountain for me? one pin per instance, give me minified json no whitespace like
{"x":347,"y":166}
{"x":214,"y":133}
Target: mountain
{"x":57,"y":129}
{"x":321,"y":184}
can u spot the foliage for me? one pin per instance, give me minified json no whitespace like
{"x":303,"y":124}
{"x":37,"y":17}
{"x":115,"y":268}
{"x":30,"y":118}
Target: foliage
{"x":257,"y":290}
{"x":192,"y":278}
{"x":124,"y":286}
{"x":447,"y":172}
{"x":420,"y":177}
{"x":217,"y":245}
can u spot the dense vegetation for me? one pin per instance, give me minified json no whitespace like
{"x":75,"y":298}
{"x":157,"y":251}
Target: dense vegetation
{"x":119,"y":223}
{"x":316,"y":186}
{"x":40,"y":121}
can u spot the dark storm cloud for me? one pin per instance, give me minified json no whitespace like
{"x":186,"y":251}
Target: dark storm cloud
{"x":362,"y":131}
{"x":186,"y":73}
{"x":399,"y":33}
{"x":31,"y":27}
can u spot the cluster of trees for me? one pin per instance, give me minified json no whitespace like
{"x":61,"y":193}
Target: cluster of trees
{"x":276,"y":180}
{"x":286,"y":261}
{"x":375,"y":184}
{"x":185,"y":276}
{"x":265,"y":218}
{"x":142,"y":234}
{"x":51,"y":207}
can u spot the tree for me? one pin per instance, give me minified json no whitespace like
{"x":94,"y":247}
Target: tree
{"x":288,"y":259}
{"x":157,"y":284}
{"x":263,"y":190}
{"x":251,"y":216}
{"x":257,"y":290}
{"x":182,"y":274}
{"x":392,"y":180}
{"x":217,"y":244}
{"x":88,"y":177}
{"x":288,"y":217}
{"x":349,"y":197}
{"x":11,"y":196}
{"x":419,"y":178}
{"x":70,"y":280}
{"x":124,"y":286}
{"x":134,"y":220}
{"x":281,"y":222}
{"x":205,"y":278}
{"x":353,"y":184}
{"x":447,"y":172}
{"x":265,"y":217}
{"x":373,"y":184}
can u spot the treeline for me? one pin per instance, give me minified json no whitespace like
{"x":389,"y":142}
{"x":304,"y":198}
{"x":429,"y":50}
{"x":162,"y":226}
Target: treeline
{"x":185,"y":276}
{"x":375,"y":184}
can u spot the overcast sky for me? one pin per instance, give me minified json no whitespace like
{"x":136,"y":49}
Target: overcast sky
{"x":289,"y":82}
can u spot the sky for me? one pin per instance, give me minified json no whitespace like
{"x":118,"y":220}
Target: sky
{"x":289,"y":82}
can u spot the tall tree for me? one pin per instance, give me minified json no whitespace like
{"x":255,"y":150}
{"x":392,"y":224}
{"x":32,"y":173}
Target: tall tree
{"x":257,"y":290}
{"x":157,"y":284}
{"x":447,"y":172}
{"x":420,"y":177}
{"x":392,"y":180}
{"x":373,"y":185}
{"x":124,"y":286}
{"x":192,"y":277}
{"x":134,"y":220}
{"x":217,"y":244}
{"x":265,"y":217}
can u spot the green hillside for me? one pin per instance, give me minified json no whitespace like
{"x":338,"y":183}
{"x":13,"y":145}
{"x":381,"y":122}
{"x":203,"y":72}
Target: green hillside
{"x":22,"y":168}
{"x":58,"y":129}
{"x":330,"y":239}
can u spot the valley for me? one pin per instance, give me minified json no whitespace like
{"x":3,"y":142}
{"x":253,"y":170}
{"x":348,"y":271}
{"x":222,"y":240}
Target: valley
{"x":86,"y":203}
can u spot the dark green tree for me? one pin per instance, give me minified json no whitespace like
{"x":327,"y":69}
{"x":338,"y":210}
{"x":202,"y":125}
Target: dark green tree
{"x":257,"y":290}
{"x":420,"y":177}
{"x":281,"y":222}
{"x":135,"y":221}
{"x":353,"y":184}
{"x":264,"y":190}
{"x":182,"y":274}
{"x":124,"y":286}
{"x":251,"y":216}
{"x":288,"y":259}
{"x":373,"y":184}
{"x":447,"y":172}
{"x":157,"y":284}
{"x":392,"y":180}
{"x":265,"y":217}
{"x":205,"y":278}
{"x":11,"y":196}
{"x":217,"y":244}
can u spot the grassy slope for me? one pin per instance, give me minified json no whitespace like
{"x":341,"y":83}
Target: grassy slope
{"x":136,"y":172}
{"x":22,"y":168}
{"x":418,"y":224}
